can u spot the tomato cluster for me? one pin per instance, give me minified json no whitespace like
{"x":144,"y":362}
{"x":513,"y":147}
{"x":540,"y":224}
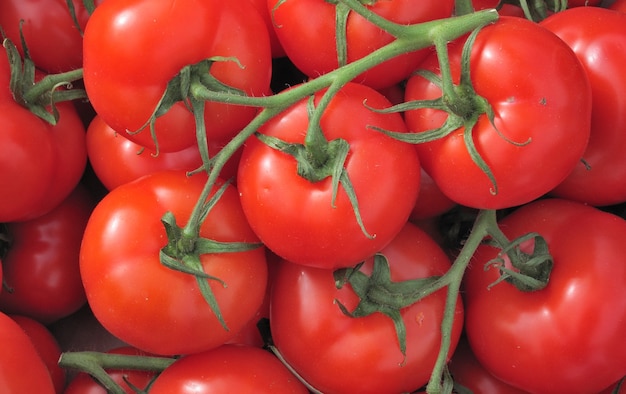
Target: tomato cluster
{"x":312,"y":196}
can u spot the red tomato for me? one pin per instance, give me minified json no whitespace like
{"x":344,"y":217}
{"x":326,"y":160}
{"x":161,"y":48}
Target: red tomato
{"x":597,"y":36}
{"x":319,"y":55}
{"x":83,"y":383}
{"x":117,"y":160}
{"x":431,"y":202}
{"x":277,"y":49}
{"x":47,"y":347}
{"x":54,"y":42}
{"x":336,"y":353}
{"x":41,"y":164}
{"x":41,"y":274}
{"x":149,"y":305}
{"x":618,"y":5}
{"x":295,"y":218}
{"x":125,"y":88}
{"x":21,"y":368}
{"x":569,"y":336}
{"x":469,"y":373}
{"x":540,"y":112}
{"x":228,"y":369}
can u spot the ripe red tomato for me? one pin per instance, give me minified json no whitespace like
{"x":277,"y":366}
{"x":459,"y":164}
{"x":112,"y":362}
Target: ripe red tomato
{"x":431,"y":202}
{"x":117,"y":160}
{"x":469,"y":373}
{"x":597,"y":36}
{"x":319,"y":54}
{"x":129,"y":380}
{"x":153,"y":307}
{"x":47,"y":347}
{"x":295,"y":218}
{"x":54,"y":42}
{"x":618,"y":5}
{"x":336,"y":353}
{"x":569,"y":336}
{"x":21,"y":368}
{"x":540,"y":112}
{"x":40,"y":261}
{"x":41,"y":164}
{"x":228,"y":369}
{"x":125,"y":88}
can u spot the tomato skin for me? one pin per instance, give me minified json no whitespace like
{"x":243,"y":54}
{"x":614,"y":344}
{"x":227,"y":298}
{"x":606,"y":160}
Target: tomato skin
{"x":21,"y":368}
{"x":618,"y":5}
{"x":547,"y":107}
{"x":468,"y":372}
{"x":361,"y":354}
{"x":431,"y":202}
{"x":83,"y":383}
{"x":47,"y":347}
{"x":228,"y":368}
{"x":131,"y":293}
{"x":125,"y":88}
{"x":319,"y":55}
{"x":41,"y":263}
{"x":558,"y":339}
{"x":597,"y":36}
{"x":295,"y":218}
{"x":41,"y":164}
{"x":54,"y":43}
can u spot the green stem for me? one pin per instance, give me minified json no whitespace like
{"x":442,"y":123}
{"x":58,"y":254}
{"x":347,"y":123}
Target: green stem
{"x":463,"y":7}
{"x":96,"y":364}
{"x":484,"y":225}
{"x":51,"y":82}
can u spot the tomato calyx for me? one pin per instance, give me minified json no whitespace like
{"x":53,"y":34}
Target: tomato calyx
{"x":377,"y":293}
{"x":181,"y":89}
{"x":319,"y":158}
{"x":96,"y":365}
{"x":531,"y":271}
{"x":184,"y":247}
{"x":462,"y":103}
{"x":538,"y":10}
{"x":39,"y":97}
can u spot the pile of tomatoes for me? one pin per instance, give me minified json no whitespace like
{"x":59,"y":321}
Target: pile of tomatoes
{"x":312,"y":196}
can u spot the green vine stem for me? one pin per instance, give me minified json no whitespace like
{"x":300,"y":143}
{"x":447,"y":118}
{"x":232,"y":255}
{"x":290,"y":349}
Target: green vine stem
{"x":96,"y":364}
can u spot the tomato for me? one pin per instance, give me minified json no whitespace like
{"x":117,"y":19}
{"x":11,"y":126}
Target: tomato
{"x":277,"y":49}
{"x":597,"y":36}
{"x":229,"y":368}
{"x":117,"y":160}
{"x":125,"y":80}
{"x":153,"y":307}
{"x":468,"y":373}
{"x":47,"y":347}
{"x":21,"y":368}
{"x":41,"y":274}
{"x":431,"y":201}
{"x":319,"y":55}
{"x":336,"y":353}
{"x":618,"y":5}
{"x":41,"y":164}
{"x":54,"y":42}
{"x":541,"y":100}
{"x":296,"y":218}
{"x":569,"y":336}
{"x":83,"y":383}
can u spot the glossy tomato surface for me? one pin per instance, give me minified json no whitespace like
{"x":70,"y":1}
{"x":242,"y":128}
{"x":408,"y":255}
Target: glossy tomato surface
{"x":336,"y":353}
{"x":149,"y":305}
{"x":568,"y":336}
{"x":539,"y":113}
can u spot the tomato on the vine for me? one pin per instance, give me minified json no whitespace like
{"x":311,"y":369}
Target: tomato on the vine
{"x":297,"y":218}
{"x":228,"y":369}
{"x":597,"y":36}
{"x":541,"y":102}
{"x":336,"y":353}
{"x":314,"y":23}
{"x":150,"y":305}
{"x":41,"y":164}
{"x":569,"y":336}
{"x":40,"y":261}
{"x":132,"y":49}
